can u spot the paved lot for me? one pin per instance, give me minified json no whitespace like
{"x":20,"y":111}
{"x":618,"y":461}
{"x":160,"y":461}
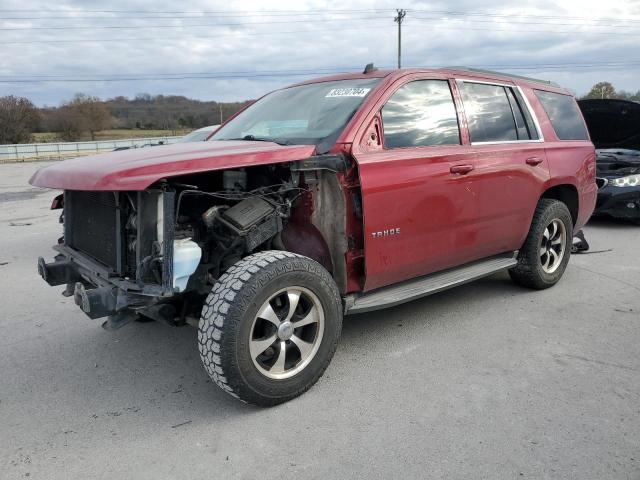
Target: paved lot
{"x":485,"y":381}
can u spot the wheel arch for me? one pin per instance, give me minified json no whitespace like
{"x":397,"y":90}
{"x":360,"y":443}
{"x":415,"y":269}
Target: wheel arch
{"x":567,"y":194}
{"x":317,"y":228}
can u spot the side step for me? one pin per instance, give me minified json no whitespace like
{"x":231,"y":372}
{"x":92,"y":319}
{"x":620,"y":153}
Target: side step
{"x":422,"y":286}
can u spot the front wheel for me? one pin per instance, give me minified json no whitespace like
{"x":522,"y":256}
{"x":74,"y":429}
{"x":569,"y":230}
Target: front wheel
{"x":545,"y":254}
{"x":269,"y":327}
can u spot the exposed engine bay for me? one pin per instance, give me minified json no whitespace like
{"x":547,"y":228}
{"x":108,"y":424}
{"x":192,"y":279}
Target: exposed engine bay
{"x":158,"y":252}
{"x":247,"y":213}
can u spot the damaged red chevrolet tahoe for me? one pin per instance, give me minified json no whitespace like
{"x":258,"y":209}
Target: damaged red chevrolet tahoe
{"x":338,"y":195}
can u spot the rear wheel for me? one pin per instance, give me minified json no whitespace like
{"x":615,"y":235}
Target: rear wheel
{"x":545,"y":254}
{"x":270,"y":326}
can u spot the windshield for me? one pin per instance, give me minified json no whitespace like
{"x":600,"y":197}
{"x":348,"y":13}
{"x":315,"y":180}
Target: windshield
{"x":197,"y":136}
{"x":308,"y":114}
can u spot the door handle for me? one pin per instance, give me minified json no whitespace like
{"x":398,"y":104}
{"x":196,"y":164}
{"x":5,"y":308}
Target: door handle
{"x":534,"y":161}
{"x":461,"y":169}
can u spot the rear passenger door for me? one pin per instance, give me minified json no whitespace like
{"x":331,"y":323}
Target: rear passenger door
{"x":510,"y":163}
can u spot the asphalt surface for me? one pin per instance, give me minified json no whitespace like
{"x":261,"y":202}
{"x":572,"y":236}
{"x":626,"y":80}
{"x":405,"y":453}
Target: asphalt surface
{"x":485,"y":381}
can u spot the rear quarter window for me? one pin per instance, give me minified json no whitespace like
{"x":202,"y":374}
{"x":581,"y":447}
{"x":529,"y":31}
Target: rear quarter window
{"x":564,"y":114}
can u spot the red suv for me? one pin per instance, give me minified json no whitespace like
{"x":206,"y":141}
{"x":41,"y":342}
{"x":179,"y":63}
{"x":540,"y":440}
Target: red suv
{"x":337,"y":195}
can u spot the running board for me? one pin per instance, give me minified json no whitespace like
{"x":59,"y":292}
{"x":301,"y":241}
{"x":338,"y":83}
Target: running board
{"x":422,"y":286}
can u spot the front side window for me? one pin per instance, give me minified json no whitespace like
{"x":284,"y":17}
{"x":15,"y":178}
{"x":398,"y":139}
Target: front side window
{"x":304,"y":115}
{"x":564,"y":114}
{"x":421,"y":113}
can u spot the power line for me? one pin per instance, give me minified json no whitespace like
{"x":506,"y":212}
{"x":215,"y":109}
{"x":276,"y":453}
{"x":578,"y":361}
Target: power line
{"x":512,"y":22}
{"x":280,"y":32}
{"x":339,"y":69}
{"x":190,"y":25}
{"x":182,"y":25}
{"x":295,"y":73}
{"x":195,"y":36}
{"x":413,"y":20}
{"x":232,"y":13}
{"x":196,"y":16}
{"x":518,"y":15}
{"x":520,"y":31}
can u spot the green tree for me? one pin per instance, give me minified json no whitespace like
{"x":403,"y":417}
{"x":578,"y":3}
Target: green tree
{"x":602,"y":90}
{"x":18,"y":118}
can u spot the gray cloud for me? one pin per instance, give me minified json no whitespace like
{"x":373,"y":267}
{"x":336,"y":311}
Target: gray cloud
{"x":323,"y":40}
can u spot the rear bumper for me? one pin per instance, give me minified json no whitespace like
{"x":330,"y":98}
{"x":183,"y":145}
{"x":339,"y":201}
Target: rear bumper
{"x":619,"y":202}
{"x":94,"y":287}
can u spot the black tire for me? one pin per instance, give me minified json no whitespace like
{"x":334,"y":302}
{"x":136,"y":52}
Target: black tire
{"x":229,"y":313}
{"x":529,"y":272}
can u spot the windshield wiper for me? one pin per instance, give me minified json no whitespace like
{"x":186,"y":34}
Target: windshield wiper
{"x":252,"y":138}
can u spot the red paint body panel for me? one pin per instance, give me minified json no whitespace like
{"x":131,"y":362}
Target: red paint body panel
{"x":445,"y":218}
{"x":448,"y":219}
{"x":137,"y":169}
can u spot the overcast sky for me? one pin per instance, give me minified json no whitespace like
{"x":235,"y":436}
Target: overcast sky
{"x":260,"y":45}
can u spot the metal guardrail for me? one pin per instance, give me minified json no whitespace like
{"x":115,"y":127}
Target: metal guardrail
{"x":25,"y":152}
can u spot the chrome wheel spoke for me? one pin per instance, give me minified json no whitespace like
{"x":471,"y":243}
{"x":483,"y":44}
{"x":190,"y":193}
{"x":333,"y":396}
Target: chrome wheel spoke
{"x":553,"y":228}
{"x":256,"y":347}
{"x":278,"y":367}
{"x":271,"y":345}
{"x":267,"y":313}
{"x":304,"y":347}
{"x":557,"y":232}
{"x":553,"y":246}
{"x":294,"y":298}
{"x":311,"y":317}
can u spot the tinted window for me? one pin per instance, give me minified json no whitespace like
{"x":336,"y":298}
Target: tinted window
{"x":521,"y":126}
{"x":531,"y":128}
{"x":421,"y":113}
{"x":488,"y":112}
{"x":564,"y":115}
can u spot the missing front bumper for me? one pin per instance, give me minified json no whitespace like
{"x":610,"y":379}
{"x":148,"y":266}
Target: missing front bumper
{"x":95,"y":290}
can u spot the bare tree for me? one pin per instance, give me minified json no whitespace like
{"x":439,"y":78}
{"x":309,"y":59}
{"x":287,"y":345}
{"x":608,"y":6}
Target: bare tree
{"x":18,"y":118}
{"x":94,"y":113}
{"x":67,"y":122}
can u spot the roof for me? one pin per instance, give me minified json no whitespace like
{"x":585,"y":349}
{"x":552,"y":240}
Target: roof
{"x":453,"y":71}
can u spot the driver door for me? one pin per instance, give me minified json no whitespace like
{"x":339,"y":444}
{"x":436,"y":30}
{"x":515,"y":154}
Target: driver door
{"x":418,"y":195}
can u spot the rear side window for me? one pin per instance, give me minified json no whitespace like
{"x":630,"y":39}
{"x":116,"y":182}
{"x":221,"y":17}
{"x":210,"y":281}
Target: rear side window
{"x":564,"y":114}
{"x":495,"y":113}
{"x":421,"y":113}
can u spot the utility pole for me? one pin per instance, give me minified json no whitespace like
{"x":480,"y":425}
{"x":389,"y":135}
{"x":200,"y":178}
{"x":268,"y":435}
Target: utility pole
{"x":220,"y":105}
{"x":398,"y":20}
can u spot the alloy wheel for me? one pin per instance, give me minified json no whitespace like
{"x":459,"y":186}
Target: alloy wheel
{"x":286,"y":333}
{"x":553,"y":246}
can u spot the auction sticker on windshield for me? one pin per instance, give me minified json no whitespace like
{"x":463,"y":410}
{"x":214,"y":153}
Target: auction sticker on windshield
{"x":347,"y":92}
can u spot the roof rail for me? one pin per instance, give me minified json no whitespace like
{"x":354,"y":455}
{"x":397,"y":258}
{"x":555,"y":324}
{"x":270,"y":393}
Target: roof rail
{"x":510,"y":75}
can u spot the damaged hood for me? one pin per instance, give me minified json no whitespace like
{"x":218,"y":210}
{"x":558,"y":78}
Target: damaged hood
{"x":137,"y":169}
{"x":613,"y":124}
